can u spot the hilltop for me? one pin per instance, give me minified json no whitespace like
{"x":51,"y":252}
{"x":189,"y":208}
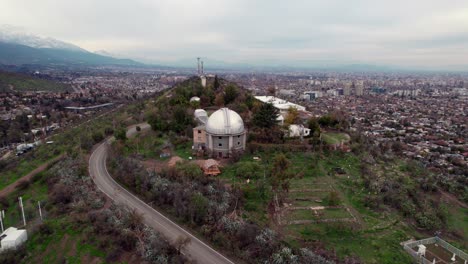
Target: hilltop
{"x":281,"y":199}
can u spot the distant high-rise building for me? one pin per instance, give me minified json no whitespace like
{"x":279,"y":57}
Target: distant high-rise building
{"x":347,"y":90}
{"x":359,"y":88}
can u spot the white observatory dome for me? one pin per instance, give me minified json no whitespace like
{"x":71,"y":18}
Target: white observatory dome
{"x":225,"y":122}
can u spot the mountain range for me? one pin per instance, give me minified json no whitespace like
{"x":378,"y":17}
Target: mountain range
{"x":20,"y":48}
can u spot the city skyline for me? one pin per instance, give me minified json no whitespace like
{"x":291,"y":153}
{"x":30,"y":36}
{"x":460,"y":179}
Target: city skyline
{"x":416,"y":34}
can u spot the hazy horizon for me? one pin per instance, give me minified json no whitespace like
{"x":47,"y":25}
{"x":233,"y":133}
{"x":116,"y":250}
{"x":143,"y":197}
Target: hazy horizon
{"x":414,"y":34}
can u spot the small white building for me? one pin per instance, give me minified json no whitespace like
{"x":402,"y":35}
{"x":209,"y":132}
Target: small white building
{"x":203,"y":81}
{"x":298,"y":130}
{"x":312,"y":95}
{"x":12,"y":238}
{"x":281,"y":104}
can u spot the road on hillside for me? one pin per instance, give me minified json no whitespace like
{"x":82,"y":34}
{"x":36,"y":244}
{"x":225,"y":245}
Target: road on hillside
{"x":196,"y":250}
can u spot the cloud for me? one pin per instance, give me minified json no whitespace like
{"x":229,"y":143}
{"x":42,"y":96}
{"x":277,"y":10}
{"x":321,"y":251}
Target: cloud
{"x":407,"y":33}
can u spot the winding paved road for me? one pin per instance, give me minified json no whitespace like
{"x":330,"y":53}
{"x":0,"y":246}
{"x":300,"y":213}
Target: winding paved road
{"x":196,"y":249}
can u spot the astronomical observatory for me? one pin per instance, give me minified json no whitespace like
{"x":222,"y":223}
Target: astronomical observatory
{"x":220,"y":135}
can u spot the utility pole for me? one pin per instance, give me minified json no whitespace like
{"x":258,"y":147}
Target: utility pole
{"x":40,"y":211}
{"x":202,"y":71}
{"x":22,"y":210}
{"x":1,"y":220}
{"x":198,"y":65}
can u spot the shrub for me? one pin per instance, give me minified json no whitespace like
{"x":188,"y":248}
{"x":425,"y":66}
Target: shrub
{"x":4,"y":202}
{"x":108,"y":131}
{"x":121,"y":134}
{"x":13,"y":256}
{"x":97,"y":137}
{"x":23,"y":185}
{"x":45,"y":229}
{"x":427,"y":220}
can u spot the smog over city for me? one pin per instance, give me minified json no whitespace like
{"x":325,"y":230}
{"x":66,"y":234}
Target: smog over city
{"x":233,"y":131}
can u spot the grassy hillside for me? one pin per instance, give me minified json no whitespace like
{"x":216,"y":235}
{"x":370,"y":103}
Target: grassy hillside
{"x":20,"y":82}
{"x":80,"y":225}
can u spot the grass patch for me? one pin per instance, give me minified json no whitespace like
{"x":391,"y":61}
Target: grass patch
{"x":332,"y":138}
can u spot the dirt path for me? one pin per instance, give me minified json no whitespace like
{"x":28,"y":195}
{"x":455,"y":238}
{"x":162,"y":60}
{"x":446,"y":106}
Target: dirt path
{"x":10,"y":188}
{"x":452,"y":199}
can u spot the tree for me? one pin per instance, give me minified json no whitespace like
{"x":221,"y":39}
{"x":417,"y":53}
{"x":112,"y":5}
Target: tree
{"x":97,"y":136}
{"x":157,"y":123}
{"x":281,"y":173}
{"x":219,"y":100}
{"x":266,"y":116}
{"x":181,"y":243}
{"x":216,"y":82}
{"x":198,"y":206}
{"x":314,"y":127}
{"x":121,"y":134}
{"x":180,"y":119}
{"x":327,"y":121}
{"x":249,"y":170}
{"x":230,"y":94}
{"x":292,"y":117}
{"x":272,"y":91}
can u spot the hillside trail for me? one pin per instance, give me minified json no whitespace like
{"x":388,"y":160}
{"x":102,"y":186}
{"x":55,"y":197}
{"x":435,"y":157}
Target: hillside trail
{"x":10,"y":188}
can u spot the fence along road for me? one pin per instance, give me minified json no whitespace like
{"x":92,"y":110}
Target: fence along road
{"x":196,"y":250}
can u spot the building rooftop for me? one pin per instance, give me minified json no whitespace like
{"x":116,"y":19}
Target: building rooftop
{"x":280,"y":103}
{"x":225,"y":122}
{"x":11,"y":234}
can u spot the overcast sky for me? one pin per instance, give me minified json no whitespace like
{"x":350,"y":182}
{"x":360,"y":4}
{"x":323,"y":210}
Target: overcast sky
{"x":398,"y":32}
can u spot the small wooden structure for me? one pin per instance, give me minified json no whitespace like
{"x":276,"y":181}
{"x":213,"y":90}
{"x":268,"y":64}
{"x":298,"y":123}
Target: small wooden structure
{"x":210,"y":167}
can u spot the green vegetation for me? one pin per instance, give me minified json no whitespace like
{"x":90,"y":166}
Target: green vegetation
{"x":20,"y":82}
{"x":83,"y":136}
{"x":334,"y":138}
{"x":321,"y":177}
{"x":58,"y":238}
{"x":64,"y":243}
{"x":376,"y":201}
{"x":265,"y":116}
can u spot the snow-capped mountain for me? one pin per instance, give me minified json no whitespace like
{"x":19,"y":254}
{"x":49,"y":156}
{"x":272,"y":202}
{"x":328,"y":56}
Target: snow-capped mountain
{"x":106,"y":53}
{"x":15,"y":35}
{"x":17,"y":47}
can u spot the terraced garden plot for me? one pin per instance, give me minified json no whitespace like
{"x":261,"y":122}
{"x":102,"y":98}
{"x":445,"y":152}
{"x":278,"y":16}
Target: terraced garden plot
{"x":302,"y":215}
{"x":336,"y":213}
{"x":309,"y":195}
{"x":315,"y":215}
{"x":310,"y":182}
{"x":303,"y":203}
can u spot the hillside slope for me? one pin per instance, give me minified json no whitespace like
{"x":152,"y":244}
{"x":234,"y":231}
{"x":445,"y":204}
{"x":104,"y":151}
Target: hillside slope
{"x":21,"y":82}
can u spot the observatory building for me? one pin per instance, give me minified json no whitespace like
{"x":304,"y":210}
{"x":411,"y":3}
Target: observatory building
{"x":221,"y":134}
